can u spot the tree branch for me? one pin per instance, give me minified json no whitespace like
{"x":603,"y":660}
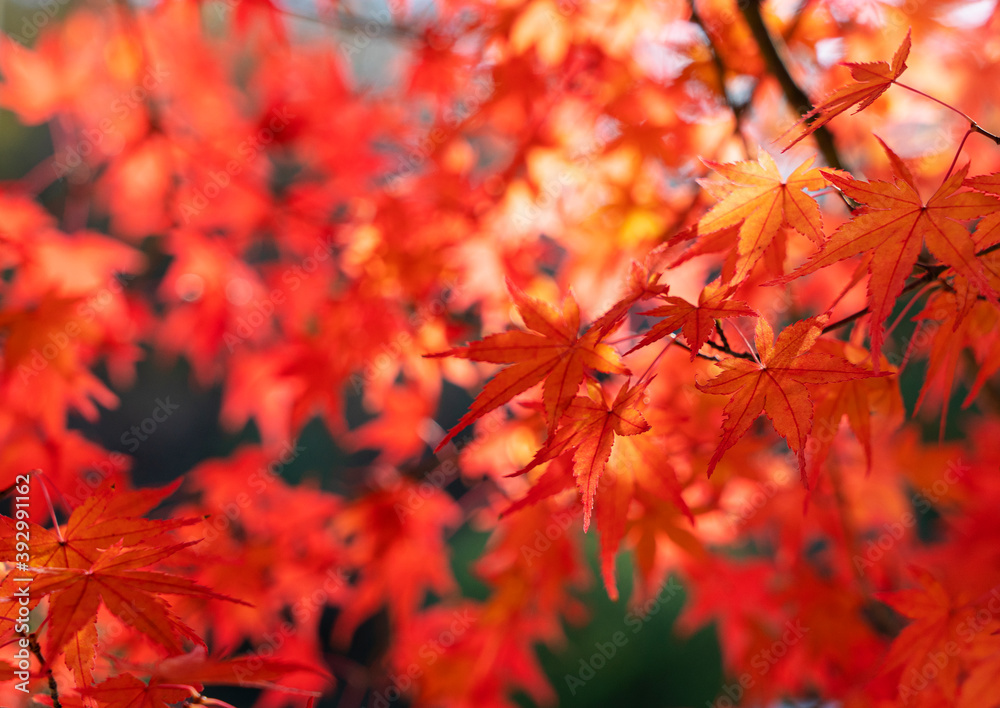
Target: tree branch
{"x":793,"y":94}
{"x":722,"y":335}
{"x":685,"y":347}
{"x":975,"y":128}
{"x":724,"y":347}
{"x":36,"y":649}
{"x":720,"y":68}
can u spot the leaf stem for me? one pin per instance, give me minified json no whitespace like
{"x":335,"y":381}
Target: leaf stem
{"x":958,"y":152}
{"x":728,"y":350}
{"x":48,"y":500}
{"x":936,"y":100}
{"x":977,"y":129}
{"x":974,"y":127}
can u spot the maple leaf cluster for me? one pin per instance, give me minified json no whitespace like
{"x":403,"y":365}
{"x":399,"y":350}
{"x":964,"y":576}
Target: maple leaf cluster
{"x":718,"y":329}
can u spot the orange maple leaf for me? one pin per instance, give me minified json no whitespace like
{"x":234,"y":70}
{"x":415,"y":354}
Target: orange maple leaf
{"x":857,"y":399}
{"x":80,"y":653}
{"x":776,"y":385}
{"x":126,"y":691}
{"x":589,"y":429}
{"x":554,"y":351}
{"x":184,"y":677}
{"x":92,"y":528}
{"x":131,"y":594}
{"x":987,"y":230}
{"x":642,"y":285}
{"x":937,"y":618}
{"x":639,"y":470}
{"x":697,"y":322}
{"x":893,"y":226}
{"x":870,"y":81}
{"x":754,"y":197}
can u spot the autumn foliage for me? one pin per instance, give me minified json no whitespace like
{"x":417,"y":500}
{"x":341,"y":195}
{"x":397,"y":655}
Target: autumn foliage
{"x":716,"y":283}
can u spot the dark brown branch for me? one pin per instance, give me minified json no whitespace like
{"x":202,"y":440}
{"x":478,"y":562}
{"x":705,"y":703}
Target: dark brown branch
{"x":685,"y":347}
{"x":976,"y":129}
{"x":36,"y":649}
{"x":720,"y":67}
{"x":931,"y":273}
{"x":722,"y":335}
{"x":724,"y":347}
{"x":846,"y":321}
{"x":793,"y":94}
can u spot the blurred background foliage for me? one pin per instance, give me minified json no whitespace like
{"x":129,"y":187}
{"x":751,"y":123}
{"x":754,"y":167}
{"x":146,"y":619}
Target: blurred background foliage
{"x":654,"y":668}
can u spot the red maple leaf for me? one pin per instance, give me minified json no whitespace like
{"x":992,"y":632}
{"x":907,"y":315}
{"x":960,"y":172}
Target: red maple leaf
{"x":891,"y":229}
{"x":697,"y":322}
{"x":870,"y":81}
{"x":117,"y":581}
{"x":554,"y":351}
{"x":775,"y":384}
{"x":754,"y":198}
{"x":589,"y":429}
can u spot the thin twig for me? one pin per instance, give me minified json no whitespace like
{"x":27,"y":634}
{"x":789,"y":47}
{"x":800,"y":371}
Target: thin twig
{"x":958,"y":152}
{"x":728,"y":350}
{"x":720,"y":69}
{"x":974,"y":127}
{"x":685,"y":347}
{"x":929,"y":276}
{"x":936,"y":100}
